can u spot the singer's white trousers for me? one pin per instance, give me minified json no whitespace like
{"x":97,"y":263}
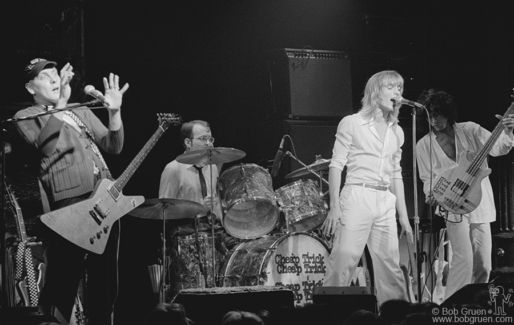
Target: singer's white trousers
{"x":471,"y":260}
{"x":369,"y":217}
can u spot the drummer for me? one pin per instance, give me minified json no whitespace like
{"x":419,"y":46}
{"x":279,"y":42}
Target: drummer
{"x":193,"y":182}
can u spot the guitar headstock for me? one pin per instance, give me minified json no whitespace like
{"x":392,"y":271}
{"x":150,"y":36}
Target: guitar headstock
{"x":165,"y":119}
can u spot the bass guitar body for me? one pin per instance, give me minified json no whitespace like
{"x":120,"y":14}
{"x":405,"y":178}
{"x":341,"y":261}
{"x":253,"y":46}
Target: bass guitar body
{"x":459,"y":190}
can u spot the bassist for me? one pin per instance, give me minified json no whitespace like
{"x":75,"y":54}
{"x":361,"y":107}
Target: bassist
{"x":469,"y":233}
{"x":70,"y":165}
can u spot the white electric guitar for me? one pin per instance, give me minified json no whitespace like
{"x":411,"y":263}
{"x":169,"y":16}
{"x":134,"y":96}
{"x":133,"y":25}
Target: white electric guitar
{"x":88,"y":223}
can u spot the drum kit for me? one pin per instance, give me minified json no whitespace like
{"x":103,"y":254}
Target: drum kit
{"x":293,"y":257}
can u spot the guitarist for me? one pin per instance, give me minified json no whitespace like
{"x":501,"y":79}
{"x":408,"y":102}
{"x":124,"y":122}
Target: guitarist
{"x":70,"y":164}
{"x":469,"y":234}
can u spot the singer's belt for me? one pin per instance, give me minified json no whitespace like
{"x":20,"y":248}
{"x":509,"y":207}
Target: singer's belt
{"x":373,"y":187}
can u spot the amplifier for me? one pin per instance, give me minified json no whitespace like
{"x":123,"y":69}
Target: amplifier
{"x":310,"y":83}
{"x":503,"y":252}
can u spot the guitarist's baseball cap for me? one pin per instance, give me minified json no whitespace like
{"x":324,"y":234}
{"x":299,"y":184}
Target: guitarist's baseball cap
{"x":35,"y":66}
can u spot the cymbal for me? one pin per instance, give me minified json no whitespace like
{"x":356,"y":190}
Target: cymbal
{"x":169,"y":209}
{"x":213,"y":155}
{"x":317,"y":166}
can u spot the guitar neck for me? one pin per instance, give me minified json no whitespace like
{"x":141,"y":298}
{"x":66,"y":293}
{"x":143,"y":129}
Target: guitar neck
{"x":482,"y":154}
{"x":130,"y":170}
{"x":20,"y":223}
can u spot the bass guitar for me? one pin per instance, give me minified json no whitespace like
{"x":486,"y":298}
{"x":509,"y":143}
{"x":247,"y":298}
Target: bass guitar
{"x":88,"y":223}
{"x":458,"y":189}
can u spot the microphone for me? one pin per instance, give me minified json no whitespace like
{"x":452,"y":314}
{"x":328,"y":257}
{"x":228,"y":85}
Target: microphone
{"x":404,"y":101}
{"x":91,"y":91}
{"x":278,"y":159}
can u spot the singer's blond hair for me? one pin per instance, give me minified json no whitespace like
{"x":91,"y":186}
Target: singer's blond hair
{"x":372,"y":91}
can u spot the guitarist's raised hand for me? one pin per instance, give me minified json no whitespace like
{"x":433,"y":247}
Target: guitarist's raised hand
{"x":114,"y":96}
{"x":508,"y":123}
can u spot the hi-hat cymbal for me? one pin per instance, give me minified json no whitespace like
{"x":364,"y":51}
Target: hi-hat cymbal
{"x":214,"y":155}
{"x":317,"y":166}
{"x":169,"y":209}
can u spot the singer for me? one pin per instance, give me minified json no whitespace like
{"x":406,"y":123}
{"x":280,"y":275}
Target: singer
{"x":68,"y":145}
{"x":469,"y":234}
{"x":363,"y":213}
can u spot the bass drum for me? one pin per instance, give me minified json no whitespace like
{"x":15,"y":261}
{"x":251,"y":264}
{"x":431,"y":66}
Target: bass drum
{"x":296,"y":261}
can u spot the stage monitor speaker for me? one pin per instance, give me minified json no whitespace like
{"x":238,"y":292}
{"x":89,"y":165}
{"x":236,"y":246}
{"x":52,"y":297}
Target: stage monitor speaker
{"x":31,"y":316}
{"x":208,"y":306}
{"x":346,"y":300}
{"x":310,"y":83}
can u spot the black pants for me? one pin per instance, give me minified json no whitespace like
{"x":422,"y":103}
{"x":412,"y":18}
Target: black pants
{"x":66,"y":263}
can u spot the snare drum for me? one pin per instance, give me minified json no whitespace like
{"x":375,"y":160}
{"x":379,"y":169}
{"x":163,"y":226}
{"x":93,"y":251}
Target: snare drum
{"x":296,"y":261}
{"x":248,"y":200}
{"x":303,"y":206}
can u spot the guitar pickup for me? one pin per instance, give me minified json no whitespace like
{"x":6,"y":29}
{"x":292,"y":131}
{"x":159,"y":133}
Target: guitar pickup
{"x":460,"y":187}
{"x":95,"y":217}
{"x":101,"y":210}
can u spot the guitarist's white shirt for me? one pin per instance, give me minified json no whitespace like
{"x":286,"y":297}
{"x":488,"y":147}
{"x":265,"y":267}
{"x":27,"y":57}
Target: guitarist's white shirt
{"x":469,"y":136}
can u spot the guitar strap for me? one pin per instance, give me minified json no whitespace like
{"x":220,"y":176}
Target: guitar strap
{"x":462,"y":140}
{"x":91,"y":139}
{"x":31,"y":275}
{"x":24,"y":266}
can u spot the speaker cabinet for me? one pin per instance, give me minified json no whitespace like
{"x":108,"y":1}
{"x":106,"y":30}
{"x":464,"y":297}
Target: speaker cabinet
{"x":346,"y":300}
{"x":310,"y":83}
{"x":208,"y":306}
{"x":503,"y":253}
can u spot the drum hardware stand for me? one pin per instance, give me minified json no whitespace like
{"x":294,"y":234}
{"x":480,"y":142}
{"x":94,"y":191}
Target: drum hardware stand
{"x":162,"y":292}
{"x":211,"y":215}
{"x":200,"y":258}
{"x":308,"y":168}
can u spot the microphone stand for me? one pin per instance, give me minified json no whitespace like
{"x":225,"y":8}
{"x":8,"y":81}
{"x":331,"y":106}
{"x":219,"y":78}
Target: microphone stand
{"x":55,"y":110}
{"x":416,"y":215}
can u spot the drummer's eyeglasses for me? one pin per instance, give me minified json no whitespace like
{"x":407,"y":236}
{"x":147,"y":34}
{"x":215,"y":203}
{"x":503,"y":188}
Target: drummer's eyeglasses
{"x":206,"y":139}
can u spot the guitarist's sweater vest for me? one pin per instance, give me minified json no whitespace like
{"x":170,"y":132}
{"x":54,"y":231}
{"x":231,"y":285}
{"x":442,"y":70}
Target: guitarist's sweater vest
{"x":66,"y":158}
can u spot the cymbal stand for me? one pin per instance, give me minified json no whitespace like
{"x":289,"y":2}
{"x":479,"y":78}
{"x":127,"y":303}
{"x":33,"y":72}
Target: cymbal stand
{"x":162,"y":294}
{"x":210,"y":214}
{"x":308,"y":168}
